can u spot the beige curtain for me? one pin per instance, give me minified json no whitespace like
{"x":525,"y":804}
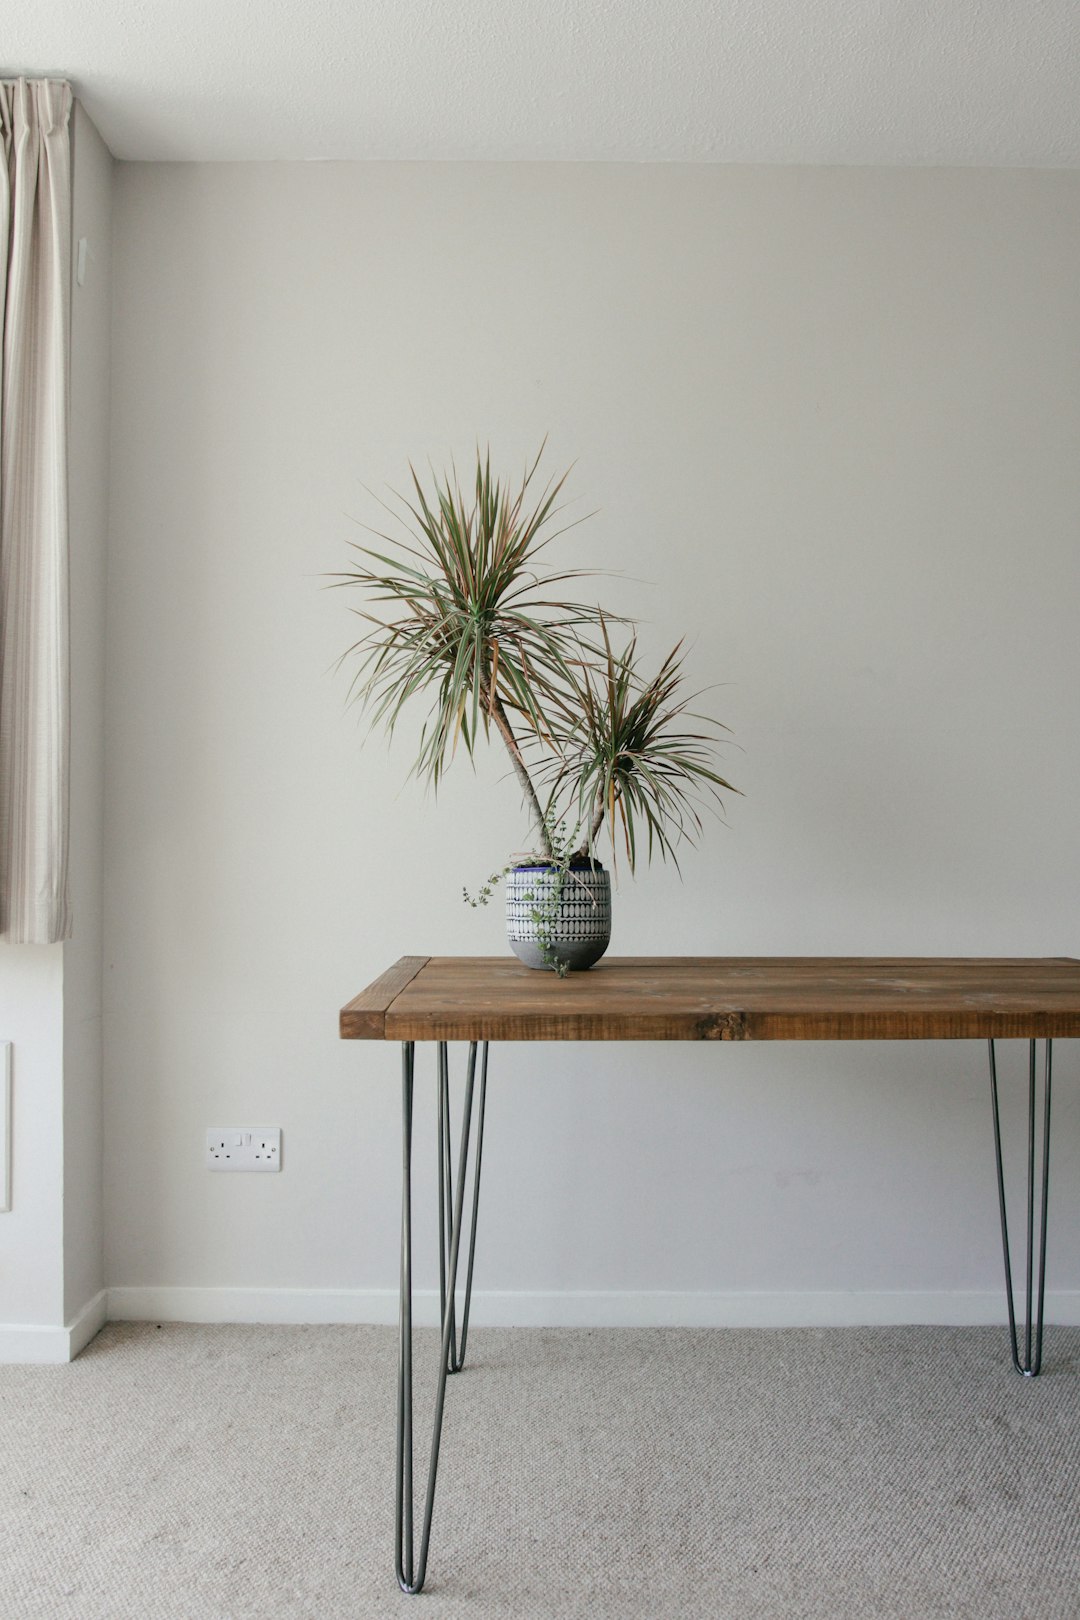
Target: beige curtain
{"x":35,"y":260}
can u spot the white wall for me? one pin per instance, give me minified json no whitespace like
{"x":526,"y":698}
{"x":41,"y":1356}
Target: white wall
{"x":84,"y":1259}
{"x":830,"y":420}
{"x":51,"y":1242}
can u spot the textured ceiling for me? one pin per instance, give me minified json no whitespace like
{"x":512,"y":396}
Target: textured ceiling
{"x":729,"y":81}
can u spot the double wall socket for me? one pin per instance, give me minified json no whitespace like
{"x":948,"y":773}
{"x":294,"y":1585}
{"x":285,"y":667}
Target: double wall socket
{"x":244,"y":1147}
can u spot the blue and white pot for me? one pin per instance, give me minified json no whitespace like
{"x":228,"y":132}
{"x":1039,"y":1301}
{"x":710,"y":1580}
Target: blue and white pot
{"x":558,"y":917}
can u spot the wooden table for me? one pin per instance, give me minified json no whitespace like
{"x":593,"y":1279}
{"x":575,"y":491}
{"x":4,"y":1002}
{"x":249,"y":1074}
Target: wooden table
{"x":484,"y":999}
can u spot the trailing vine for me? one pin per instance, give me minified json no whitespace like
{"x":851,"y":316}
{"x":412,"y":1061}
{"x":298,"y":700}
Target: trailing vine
{"x":486,"y":890}
{"x":544,"y":907}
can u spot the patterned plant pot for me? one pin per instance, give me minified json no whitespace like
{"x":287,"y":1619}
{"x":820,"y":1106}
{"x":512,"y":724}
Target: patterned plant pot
{"x":558,"y":917}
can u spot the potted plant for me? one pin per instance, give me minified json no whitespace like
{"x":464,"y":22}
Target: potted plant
{"x":466,"y":609}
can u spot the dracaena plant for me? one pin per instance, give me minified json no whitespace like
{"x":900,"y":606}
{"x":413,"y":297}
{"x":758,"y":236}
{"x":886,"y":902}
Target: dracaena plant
{"x":465,"y":610}
{"x":625,"y":753}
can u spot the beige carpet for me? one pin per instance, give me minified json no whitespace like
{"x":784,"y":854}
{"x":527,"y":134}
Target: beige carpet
{"x":198,"y":1473}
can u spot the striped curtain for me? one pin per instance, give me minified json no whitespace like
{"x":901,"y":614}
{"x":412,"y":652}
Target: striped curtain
{"x":35,"y":260}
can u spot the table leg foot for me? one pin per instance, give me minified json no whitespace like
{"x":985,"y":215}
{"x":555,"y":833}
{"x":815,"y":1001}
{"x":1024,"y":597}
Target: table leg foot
{"x":1028,"y":1363}
{"x":411,"y":1570}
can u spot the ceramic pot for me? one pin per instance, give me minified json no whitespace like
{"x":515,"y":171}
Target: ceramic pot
{"x":554,"y":916}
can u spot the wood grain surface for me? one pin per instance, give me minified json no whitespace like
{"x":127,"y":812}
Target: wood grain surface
{"x":716,"y":998}
{"x":364,"y":1017}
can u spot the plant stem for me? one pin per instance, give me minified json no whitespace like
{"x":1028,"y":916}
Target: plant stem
{"x":506,"y":732}
{"x":585,"y":852}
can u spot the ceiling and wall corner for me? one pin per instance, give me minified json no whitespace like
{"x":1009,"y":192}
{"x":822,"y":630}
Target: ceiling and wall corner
{"x":975,"y":82}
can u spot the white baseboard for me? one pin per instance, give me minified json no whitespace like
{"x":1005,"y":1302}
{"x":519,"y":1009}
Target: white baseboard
{"x":50,"y":1346}
{"x":90,"y":1321}
{"x":584,"y":1309}
{"x":491,"y":1308}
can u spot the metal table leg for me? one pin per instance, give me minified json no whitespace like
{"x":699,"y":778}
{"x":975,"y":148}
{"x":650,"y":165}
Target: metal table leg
{"x":411,"y":1571}
{"x":1029,"y":1364}
{"x":446,"y":1198}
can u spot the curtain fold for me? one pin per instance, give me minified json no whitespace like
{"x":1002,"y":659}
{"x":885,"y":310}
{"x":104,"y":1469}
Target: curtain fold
{"x":35,"y":260}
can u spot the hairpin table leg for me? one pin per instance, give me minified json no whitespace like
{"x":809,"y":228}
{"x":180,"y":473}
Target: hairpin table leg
{"x":411,"y":1571}
{"x":446,"y":1200}
{"x":1029,"y":1364}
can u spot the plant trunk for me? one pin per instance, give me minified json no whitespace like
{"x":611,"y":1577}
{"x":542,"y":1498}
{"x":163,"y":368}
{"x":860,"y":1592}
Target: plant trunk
{"x":586,"y":849}
{"x":506,"y":732}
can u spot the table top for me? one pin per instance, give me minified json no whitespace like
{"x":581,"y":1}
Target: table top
{"x":720,"y":998}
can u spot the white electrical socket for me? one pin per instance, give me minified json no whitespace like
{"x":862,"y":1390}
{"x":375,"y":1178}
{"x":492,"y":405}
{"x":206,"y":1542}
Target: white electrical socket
{"x":244,"y":1147}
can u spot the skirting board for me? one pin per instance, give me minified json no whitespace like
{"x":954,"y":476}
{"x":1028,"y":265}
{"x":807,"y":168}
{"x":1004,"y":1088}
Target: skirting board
{"x":50,"y":1346}
{"x":600,"y":1309}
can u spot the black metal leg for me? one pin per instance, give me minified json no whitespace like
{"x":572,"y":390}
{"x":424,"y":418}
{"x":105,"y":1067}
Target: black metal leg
{"x":446,"y":1202}
{"x":410,"y":1571}
{"x":1029,"y":1364}
{"x":446,"y":1199}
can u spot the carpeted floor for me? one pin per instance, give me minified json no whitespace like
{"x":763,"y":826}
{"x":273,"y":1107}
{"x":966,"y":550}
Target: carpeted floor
{"x":199,"y":1473}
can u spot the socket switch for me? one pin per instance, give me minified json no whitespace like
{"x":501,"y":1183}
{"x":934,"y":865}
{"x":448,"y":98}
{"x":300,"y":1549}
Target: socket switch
{"x":244,"y":1147}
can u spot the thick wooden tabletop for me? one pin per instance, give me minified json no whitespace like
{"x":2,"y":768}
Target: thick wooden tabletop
{"x":720,"y":998}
